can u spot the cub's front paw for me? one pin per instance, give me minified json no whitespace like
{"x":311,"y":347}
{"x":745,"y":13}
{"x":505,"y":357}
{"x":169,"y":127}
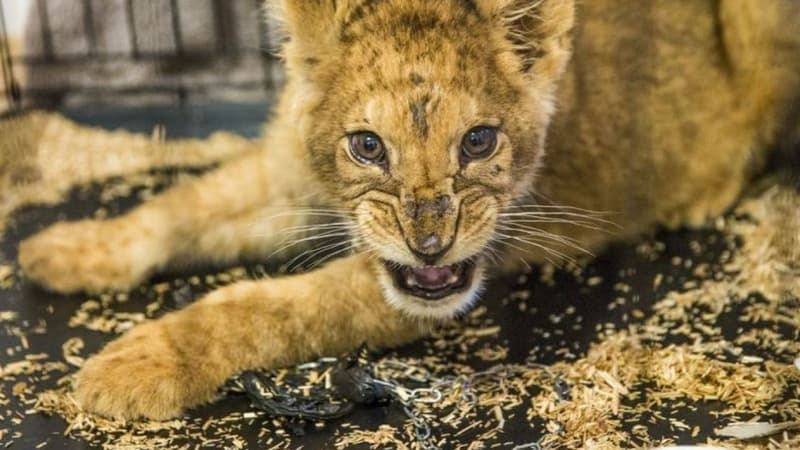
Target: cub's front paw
{"x":87,"y":256}
{"x":140,"y":375}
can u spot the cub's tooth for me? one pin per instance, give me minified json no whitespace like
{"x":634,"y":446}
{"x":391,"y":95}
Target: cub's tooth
{"x":410,"y":280}
{"x":452,"y":278}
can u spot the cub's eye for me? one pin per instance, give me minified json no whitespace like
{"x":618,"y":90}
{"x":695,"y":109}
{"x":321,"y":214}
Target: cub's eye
{"x":479,"y":142}
{"x":367,"y":147}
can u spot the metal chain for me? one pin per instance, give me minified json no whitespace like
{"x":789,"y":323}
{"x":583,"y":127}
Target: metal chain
{"x":411,"y":398}
{"x":408,"y":398}
{"x":422,"y":429}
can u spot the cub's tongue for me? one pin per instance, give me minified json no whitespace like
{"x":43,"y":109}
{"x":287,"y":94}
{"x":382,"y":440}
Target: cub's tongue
{"x":432,"y":283}
{"x":432,"y":277}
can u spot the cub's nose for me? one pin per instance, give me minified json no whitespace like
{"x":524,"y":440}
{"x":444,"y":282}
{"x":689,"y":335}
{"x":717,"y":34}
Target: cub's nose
{"x":430,"y":248}
{"x":428,"y":219}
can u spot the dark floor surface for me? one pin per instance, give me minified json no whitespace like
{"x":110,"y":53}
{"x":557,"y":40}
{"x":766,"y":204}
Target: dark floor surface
{"x":530,"y":333}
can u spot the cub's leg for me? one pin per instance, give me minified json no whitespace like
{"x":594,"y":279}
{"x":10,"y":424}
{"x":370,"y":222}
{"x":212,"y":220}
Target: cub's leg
{"x":180,"y":360}
{"x":216,"y":218}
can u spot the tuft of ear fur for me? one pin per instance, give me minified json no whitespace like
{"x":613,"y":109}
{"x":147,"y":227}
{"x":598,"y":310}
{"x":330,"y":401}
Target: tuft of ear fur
{"x":304,"y":29}
{"x":539,"y":30}
{"x":291,"y":16}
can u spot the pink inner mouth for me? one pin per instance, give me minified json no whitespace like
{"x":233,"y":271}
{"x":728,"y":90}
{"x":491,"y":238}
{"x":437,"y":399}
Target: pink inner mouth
{"x":430,"y":282}
{"x":433,"y":277}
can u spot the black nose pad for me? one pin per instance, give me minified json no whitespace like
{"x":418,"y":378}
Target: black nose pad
{"x":430,"y":249}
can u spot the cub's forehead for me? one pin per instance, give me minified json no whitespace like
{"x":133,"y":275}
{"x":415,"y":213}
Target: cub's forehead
{"x":453,"y":64}
{"x":391,"y":33}
{"x":397,"y":19}
{"x":424,"y":111}
{"x":418,"y":61}
{"x":424,"y":85}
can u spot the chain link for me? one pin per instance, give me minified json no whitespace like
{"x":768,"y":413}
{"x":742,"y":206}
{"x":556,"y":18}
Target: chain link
{"x":408,"y":398}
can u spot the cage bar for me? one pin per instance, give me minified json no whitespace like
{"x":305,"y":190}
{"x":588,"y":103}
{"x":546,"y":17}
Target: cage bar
{"x":130,"y":16}
{"x":177,"y":33}
{"x":88,"y":27}
{"x":44,"y":29}
{"x":10,"y":86}
{"x":224,"y":34}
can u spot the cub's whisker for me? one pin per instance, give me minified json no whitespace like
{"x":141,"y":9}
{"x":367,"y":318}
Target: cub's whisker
{"x":295,"y":242}
{"x":579,"y":224}
{"x":532,"y":241}
{"x":354,"y":238}
{"x":562,"y":207}
{"x":306,"y":212}
{"x":313,"y":227}
{"x":535,"y":232}
{"x":330,"y":256}
{"x":493,"y":254}
{"x":555,"y":215}
{"x":506,"y":242}
{"x":308,"y":255}
{"x":264,"y":219}
{"x":310,"y":229}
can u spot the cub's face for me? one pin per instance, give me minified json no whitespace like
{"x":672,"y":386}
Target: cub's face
{"x":425,"y":119}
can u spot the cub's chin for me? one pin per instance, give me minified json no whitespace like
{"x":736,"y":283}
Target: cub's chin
{"x":437,"y":292}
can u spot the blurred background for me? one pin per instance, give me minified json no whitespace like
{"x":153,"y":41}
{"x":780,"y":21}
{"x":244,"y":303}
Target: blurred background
{"x":146,"y":60}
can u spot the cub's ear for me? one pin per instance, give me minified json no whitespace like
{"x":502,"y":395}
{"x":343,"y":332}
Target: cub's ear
{"x":538,"y":30}
{"x":305,"y":31}
{"x":298,"y":18}
{"x":310,"y":22}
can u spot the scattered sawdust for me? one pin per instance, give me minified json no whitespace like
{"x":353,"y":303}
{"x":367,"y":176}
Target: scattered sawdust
{"x":95,"y":316}
{"x":6,"y":273}
{"x":385,"y":436}
{"x":626,"y":361}
{"x":8,"y":316}
{"x":71,"y":349}
{"x":630,"y":374}
{"x":101,"y":314}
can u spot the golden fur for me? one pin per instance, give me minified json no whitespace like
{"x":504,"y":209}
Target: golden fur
{"x":660,"y":116}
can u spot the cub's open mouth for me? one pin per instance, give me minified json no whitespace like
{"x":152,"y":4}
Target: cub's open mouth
{"x":431,"y":282}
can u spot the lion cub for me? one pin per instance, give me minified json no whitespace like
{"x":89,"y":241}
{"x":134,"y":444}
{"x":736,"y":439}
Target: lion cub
{"x":442,"y":139}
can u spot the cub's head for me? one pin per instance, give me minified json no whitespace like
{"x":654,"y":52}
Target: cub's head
{"x":424,"y":119}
